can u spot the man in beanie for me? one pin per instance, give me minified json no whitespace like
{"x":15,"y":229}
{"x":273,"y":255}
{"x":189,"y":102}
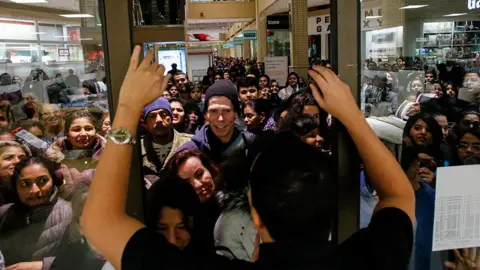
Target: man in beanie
{"x":220,"y":137}
{"x":161,"y":141}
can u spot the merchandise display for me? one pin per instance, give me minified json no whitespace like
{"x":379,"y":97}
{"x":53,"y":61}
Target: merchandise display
{"x":451,"y":40}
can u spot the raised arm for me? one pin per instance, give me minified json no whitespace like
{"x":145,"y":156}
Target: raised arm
{"x":104,"y":221}
{"x":386,"y":175}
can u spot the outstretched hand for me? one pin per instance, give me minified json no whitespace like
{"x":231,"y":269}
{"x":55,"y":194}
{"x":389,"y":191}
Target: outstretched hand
{"x":468,"y":260}
{"x":143,"y":83}
{"x":334,"y":96}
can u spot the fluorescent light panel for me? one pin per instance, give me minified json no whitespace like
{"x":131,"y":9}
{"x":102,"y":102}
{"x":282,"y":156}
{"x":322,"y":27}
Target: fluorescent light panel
{"x":373,"y":17}
{"x":77,"y":15}
{"x":454,"y":14}
{"x":29,"y":1}
{"x":413,"y":6}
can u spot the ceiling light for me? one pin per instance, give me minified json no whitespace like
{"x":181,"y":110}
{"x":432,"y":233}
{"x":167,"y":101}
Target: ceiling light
{"x":29,"y":1}
{"x":454,"y":14}
{"x":373,"y":17}
{"x":413,"y":6}
{"x":99,"y":24}
{"x":77,"y":15}
{"x":86,"y":39}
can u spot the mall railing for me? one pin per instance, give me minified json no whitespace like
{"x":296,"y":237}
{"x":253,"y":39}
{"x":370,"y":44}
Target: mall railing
{"x":158,"y":12}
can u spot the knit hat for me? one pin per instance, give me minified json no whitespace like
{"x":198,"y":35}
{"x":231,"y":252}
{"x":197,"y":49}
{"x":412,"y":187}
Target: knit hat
{"x":223,"y":88}
{"x":159,"y":104}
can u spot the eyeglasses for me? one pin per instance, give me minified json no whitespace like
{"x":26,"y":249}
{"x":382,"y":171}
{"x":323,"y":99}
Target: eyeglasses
{"x":463,"y":146}
{"x":471,"y":124}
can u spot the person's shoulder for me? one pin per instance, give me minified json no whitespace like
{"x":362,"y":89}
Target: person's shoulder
{"x":386,"y":242}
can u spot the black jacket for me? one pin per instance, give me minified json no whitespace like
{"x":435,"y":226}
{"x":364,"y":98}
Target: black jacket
{"x":385,"y":244}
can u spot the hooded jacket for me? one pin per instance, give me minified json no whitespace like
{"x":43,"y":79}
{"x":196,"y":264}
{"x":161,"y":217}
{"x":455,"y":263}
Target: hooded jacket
{"x":234,"y":228}
{"x":33,"y":234}
{"x":151,"y":165}
{"x":206,"y":142}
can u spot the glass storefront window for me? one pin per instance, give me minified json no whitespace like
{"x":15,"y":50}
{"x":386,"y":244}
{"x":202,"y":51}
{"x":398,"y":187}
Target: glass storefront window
{"x":419,"y":85}
{"x":53,"y":106}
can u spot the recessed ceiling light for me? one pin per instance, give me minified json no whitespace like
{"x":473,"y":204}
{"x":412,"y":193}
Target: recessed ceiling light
{"x":413,"y":6}
{"x":77,"y":15}
{"x":99,"y":24}
{"x":454,"y":14}
{"x":373,"y":17}
{"x":29,"y":1}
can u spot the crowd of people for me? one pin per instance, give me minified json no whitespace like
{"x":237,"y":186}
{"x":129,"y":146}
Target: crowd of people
{"x":228,"y":162}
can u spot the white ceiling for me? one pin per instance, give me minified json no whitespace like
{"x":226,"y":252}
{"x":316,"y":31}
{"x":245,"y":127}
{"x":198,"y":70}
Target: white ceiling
{"x":71,"y":5}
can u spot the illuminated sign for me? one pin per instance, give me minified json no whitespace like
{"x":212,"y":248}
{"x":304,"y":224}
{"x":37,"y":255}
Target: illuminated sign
{"x":473,"y":4}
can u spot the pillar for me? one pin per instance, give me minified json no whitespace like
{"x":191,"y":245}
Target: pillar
{"x":299,"y":37}
{"x":246,"y":49}
{"x":261,"y":34}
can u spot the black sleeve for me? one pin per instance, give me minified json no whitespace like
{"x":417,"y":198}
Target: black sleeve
{"x":385,"y":244}
{"x":150,"y":250}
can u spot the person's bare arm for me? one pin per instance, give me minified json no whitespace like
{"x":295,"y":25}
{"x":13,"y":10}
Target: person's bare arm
{"x":386,"y":175}
{"x":104,"y":221}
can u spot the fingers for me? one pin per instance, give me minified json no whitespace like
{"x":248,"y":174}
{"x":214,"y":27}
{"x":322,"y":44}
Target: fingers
{"x":316,"y":94}
{"x":319,"y":78}
{"x":161,"y":70}
{"x":325,"y":72}
{"x":146,"y":63}
{"x":473,"y":254}
{"x":135,"y":58}
{"x":450,"y":265}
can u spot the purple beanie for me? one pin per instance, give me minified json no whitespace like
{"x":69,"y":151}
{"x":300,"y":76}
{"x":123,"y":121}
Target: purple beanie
{"x":159,"y":104}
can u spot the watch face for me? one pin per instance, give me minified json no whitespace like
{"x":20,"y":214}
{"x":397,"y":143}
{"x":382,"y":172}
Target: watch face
{"x":121,"y":136}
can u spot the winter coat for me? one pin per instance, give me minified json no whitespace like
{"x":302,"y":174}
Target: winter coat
{"x":33,"y":234}
{"x":151,"y":165}
{"x":234,"y":228}
{"x":206,"y":142}
{"x":57,"y":150}
{"x":74,"y":169}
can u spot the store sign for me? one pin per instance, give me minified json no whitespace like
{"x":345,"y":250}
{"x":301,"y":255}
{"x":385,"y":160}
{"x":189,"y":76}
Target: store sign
{"x":473,"y":4}
{"x":278,"y":22}
{"x":64,"y":52}
{"x":318,"y":25}
{"x":228,"y":45}
{"x":237,"y":41}
{"x":250,"y":34}
{"x":371,"y":19}
{"x":277,"y":68}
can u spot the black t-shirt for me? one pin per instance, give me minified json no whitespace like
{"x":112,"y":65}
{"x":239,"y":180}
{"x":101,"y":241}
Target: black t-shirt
{"x":385,"y":244}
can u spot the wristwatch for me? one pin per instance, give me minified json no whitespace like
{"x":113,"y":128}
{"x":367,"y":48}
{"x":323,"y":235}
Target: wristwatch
{"x":121,"y":136}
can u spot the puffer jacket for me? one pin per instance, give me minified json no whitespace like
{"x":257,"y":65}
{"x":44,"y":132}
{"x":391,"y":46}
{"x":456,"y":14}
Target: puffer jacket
{"x":57,"y":150}
{"x":78,"y":166}
{"x":151,"y":165}
{"x":29,"y":235}
{"x":234,"y":228}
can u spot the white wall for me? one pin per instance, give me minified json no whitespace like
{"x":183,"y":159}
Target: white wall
{"x":197,"y":61}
